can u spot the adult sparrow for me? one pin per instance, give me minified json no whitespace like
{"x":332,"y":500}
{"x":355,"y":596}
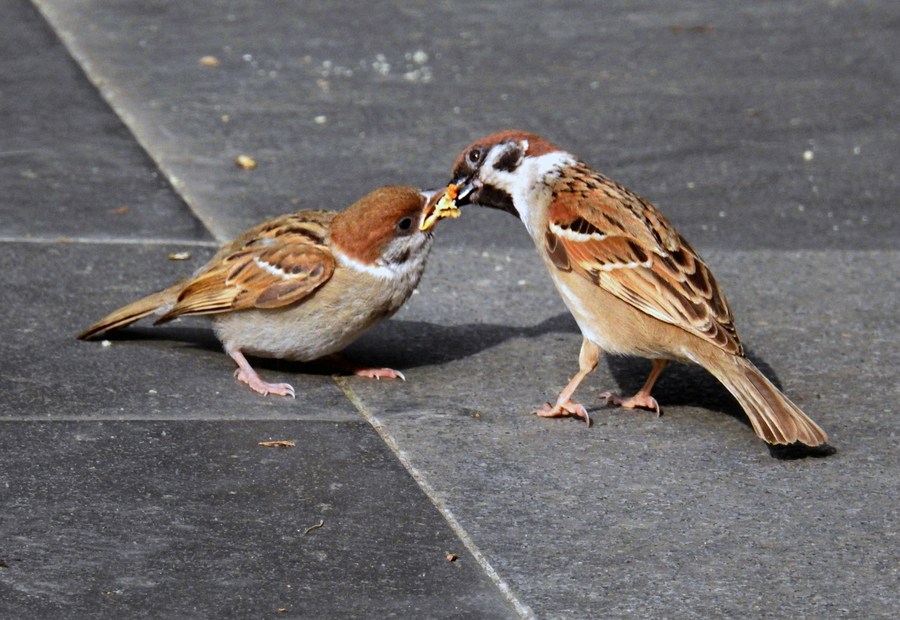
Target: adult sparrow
{"x":634,"y":285}
{"x":305,"y":285}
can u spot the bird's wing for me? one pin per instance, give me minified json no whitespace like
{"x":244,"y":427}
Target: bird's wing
{"x":624,"y":245}
{"x":275,"y":264}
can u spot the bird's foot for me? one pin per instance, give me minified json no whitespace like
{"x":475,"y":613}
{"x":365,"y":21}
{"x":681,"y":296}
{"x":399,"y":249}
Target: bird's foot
{"x":341,"y":363}
{"x":564,"y":408}
{"x":258,"y":385}
{"x":378,"y":373}
{"x":644,"y":401}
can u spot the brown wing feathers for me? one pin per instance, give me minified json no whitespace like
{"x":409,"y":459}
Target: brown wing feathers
{"x":257,"y":277}
{"x":651,"y":267}
{"x":274,"y":264}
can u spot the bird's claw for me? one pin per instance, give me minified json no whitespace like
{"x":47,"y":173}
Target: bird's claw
{"x":644,"y":401}
{"x":562,"y":409}
{"x":258,"y":385}
{"x":378,"y":373}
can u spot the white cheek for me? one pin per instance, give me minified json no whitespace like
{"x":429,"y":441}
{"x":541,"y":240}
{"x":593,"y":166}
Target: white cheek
{"x":529,"y":186}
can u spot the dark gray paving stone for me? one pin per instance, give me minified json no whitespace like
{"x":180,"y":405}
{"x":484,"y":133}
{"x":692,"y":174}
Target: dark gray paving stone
{"x":683,"y":516}
{"x":68,"y":166}
{"x":55,"y":290}
{"x":195,"y":520}
{"x":705,"y":108}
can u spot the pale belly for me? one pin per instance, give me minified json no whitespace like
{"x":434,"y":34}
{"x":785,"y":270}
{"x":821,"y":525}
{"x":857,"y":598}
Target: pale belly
{"x":616,"y":326}
{"x":324,"y":323}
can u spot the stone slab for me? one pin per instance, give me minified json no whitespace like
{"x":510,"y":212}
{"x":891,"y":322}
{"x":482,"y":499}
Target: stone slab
{"x":711,"y":110}
{"x":193,"y":519}
{"x":682,"y":516}
{"x":68,"y":165}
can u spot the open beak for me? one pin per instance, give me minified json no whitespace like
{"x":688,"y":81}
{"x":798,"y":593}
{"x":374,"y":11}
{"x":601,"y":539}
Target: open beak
{"x":440,"y":205}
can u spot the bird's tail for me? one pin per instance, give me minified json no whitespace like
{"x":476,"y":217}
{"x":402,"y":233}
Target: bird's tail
{"x":156,"y":303}
{"x":774,"y":418}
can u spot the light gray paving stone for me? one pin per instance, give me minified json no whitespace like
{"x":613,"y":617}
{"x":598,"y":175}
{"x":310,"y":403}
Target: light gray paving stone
{"x":706,"y":109}
{"x":686,"y":515}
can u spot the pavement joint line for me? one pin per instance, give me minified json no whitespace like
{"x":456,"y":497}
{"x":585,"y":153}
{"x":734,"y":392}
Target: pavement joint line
{"x":56,"y":21}
{"x":521,"y":608}
{"x":113,"y":418}
{"x":112,"y":241}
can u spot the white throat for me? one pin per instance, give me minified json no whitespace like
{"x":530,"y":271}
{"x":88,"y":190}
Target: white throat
{"x":378,"y":270}
{"x":404,"y":273}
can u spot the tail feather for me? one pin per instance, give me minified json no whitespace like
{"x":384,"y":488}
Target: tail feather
{"x":158,"y":303}
{"x":774,"y":418}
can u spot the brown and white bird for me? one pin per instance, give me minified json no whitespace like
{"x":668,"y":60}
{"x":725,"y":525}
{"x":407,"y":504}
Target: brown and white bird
{"x":305,"y":285}
{"x":634,"y":285}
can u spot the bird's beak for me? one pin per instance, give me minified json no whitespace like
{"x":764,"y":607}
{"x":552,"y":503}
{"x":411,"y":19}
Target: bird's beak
{"x":440,"y":206}
{"x":464,"y":189}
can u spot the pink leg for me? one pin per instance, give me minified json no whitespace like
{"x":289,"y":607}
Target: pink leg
{"x":587,"y":362}
{"x":345,"y":365}
{"x":642,"y":398}
{"x":247,"y":375}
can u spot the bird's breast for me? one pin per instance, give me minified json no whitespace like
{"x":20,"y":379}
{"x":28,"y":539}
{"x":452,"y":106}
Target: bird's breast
{"x":613,"y":324}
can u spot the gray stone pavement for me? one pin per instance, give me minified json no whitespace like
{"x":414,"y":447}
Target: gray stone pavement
{"x":131,"y":482}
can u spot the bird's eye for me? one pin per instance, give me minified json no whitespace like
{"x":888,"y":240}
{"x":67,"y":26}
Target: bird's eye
{"x":474,"y":156}
{"x":404,"y":224}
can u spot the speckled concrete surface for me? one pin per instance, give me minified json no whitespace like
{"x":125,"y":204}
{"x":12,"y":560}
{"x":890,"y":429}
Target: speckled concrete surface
{"x":703,"y":108}
{"x":765,"y":132}
{"x":686,"y":515}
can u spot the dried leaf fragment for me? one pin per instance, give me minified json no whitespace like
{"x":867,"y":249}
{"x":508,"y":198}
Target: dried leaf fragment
{"x":119,"y":211}
{"x":314,"y":527}
{"x":209,"y":61}
{"x":277,"y":444}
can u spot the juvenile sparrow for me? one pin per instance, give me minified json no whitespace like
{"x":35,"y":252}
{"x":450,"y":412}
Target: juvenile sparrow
{"x":305,"y":285}
{"x":634,"y":285}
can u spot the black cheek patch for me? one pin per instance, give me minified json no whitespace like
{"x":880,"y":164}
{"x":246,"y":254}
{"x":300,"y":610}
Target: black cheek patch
{"x":509,"y":161}
{"x":490,"y":196}
{"x":403,"y":257}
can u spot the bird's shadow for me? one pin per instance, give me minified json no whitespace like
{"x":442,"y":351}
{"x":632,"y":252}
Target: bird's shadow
{"x":397,"y":343}
{"x":692,"y":386}
{"x":405,"y":344}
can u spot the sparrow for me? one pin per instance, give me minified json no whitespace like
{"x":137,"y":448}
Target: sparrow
{"x":634,"y":285}
{"x":305,"y":285}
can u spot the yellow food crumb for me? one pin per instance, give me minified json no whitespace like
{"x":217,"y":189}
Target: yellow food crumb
{"x":445,"y":207}
{"x":246,"y":162}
